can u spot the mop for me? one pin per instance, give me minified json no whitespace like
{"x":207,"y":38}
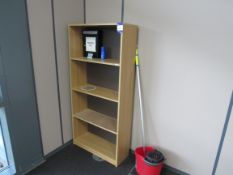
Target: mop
{"x":152,"y":157}
{"x":133,"y":170}
{"x":140,"y":100}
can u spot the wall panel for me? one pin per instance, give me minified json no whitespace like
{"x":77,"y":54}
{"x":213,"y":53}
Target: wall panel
{"x":42,"y":43}
{"x":103,"y":11}
{"x":65,"y":12}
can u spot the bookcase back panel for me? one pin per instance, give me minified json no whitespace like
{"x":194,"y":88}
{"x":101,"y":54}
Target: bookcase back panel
{"x":102,"y":106}
{"x":101,"y":133}
{"x":111,"y":40}
{"x":102,"y":75}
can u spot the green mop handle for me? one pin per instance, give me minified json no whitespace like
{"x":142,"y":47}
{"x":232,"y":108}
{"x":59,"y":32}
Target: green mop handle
{"x":136,"y":58}
{"x":140,"y":100}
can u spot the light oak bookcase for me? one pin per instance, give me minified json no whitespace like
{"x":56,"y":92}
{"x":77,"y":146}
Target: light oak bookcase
{"x":102,"y":117}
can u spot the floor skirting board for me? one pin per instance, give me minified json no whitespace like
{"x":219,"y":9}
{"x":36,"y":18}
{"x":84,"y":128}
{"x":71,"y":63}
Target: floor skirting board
{"x":58,"y":149}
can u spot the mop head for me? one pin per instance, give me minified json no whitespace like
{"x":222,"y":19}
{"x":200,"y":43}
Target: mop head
{"x":154,"y":157}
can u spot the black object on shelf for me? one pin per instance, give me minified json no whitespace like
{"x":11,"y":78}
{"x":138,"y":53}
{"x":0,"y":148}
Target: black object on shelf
{"x":92,"y":42}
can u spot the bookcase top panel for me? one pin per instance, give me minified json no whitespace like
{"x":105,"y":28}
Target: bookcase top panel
{"x":97,"y":25}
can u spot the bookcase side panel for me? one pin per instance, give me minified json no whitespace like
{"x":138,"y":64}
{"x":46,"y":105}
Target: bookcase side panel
{"x":126,"y":91}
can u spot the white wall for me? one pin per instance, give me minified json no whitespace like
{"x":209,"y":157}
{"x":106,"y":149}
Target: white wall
{"x":187,"y":68}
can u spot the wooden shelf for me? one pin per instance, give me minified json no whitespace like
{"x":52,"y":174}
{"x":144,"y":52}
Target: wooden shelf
{"x":101,"y":92}
{"x":108,"y":61}
{"x":97,"y":119}
{"x":98,"y":146}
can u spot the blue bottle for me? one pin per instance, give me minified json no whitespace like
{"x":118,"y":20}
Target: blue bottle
{"x":103,"y":53}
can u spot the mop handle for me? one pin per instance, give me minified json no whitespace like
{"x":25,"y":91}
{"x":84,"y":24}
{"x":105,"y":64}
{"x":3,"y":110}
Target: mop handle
{"x":140,"y":100}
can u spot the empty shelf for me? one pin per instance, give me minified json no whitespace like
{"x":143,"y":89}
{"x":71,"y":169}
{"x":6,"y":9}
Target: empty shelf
{"x":98,"y":146}
{"x":107,"y":61}
{"x":101,"y":92}
{"x":97,"y":119}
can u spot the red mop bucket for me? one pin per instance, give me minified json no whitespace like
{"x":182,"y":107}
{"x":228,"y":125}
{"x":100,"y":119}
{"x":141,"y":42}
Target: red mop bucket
{"x":144,"y":168}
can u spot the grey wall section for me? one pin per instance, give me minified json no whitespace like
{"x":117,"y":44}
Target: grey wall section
{"x":103,"y":11}
{"x":21,"y":107}
{"x":65,"y":12}
{"x":42,"y":43}
{"x":1,"y":63}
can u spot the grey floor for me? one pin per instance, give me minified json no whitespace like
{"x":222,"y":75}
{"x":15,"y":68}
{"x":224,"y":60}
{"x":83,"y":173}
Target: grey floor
{"x":75,"y":161}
